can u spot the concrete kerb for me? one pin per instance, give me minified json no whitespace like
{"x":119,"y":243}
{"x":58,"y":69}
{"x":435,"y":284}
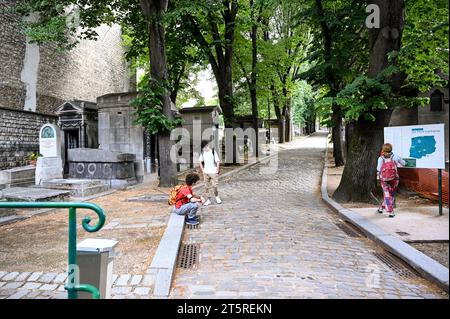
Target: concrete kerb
{"x":164,"y":262}
{"x":429,"y":268}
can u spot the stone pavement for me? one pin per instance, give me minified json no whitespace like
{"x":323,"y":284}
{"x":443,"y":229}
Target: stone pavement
{"x":273,"y":237}
{"x":420,"y":223}
{"x":38,"y":285}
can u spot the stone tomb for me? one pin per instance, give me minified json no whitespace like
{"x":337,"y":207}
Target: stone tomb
{"x":117,"y":130}
{"x":17,"y":176}
{"x":115,"y":168}
{"x":202,"y":123}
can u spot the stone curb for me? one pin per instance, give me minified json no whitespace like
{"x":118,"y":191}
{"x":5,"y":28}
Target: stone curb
{"x":164,"y":262}
{"x":424,"y":265}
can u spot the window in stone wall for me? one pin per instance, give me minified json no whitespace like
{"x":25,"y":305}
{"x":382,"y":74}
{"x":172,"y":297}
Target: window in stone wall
{"x":436,"y":101}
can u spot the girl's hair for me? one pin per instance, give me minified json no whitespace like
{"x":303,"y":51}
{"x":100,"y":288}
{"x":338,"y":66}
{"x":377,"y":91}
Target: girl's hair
{"x":386,"y":149}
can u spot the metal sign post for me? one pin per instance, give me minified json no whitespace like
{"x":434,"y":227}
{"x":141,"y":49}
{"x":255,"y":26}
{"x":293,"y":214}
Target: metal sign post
{"x":440,"y":190}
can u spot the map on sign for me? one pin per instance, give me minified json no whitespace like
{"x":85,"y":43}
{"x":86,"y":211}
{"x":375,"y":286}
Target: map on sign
{"x":421,"y":146}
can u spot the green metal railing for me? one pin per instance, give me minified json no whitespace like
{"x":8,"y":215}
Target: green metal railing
{"x":72,"y":285}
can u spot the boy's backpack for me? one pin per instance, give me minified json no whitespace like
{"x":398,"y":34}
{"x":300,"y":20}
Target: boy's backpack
{"x":388,"y":170}
{"x":173,"y":194}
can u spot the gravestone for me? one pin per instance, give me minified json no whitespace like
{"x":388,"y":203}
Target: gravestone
{"x":49,"y":166}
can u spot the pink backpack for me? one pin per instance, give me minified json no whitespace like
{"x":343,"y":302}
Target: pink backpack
{"x":388,"y":170}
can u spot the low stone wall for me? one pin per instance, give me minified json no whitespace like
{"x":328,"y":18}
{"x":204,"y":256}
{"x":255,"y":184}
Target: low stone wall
{"x":19,"y":135}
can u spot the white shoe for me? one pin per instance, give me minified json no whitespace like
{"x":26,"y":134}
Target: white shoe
{"x":218,"y":200}
{"x":208,"y":202}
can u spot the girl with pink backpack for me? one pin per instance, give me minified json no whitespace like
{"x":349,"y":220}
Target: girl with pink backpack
{"x":389,"y":178}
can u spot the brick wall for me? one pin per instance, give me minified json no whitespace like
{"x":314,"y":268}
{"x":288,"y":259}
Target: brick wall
{"x":19,"y":135}
{"x":425,"y":182}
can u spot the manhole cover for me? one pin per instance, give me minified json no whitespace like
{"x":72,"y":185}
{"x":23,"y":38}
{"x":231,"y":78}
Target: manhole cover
{"x":188,"y":256}
{"x":394,"y":263}
{"x":346,"y":228}
{"x":402,"y":233}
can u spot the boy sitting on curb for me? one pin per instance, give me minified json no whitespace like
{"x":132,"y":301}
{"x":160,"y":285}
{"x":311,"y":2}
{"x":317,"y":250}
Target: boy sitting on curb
{"x":187,"y":203}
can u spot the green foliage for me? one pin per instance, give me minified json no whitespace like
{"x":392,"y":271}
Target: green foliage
{"x":365,"y":96}
{"x":425,"y":47}
{"x":149,"y":108}
{"x":66,"y":22}
{"x":304,"y":99}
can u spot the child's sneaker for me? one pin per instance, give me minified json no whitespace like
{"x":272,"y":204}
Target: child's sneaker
{"x":218,"y":200}
{"x":380,"y":210}
{"x":208,"y":202}
{"x":192,"y":222}
{"x":392,"y":214}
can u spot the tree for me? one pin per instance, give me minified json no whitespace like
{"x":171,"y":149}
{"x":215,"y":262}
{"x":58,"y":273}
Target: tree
{"x":336,"y":57}
{"x":285,"y":43}
{"x":212,"y":25}
{"x":154,"y":12}
{"x":304,"y":99}
{"x":256,"y":17}
{"x":381,"y":84}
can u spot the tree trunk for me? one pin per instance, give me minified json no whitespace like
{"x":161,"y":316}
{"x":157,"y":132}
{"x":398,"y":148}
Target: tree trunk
{"x":225,"y":89}
{"x":280,"y":118}
{"x":288,"y":126}
{"x":327,"y":34}
{"x":337,"y":136}
{"x":359,"y":176}
{"x":154,"y":11}
{"x":253,"y":96}
{"x":349,"y":128}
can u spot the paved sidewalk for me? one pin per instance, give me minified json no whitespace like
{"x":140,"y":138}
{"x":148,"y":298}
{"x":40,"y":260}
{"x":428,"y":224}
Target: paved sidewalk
{"x":39,"y":285}
{"x":273,"y":237}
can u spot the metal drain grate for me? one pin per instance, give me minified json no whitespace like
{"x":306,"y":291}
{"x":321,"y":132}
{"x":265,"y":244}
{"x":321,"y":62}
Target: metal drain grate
{"x":188,"y":256}
{"x":346,"y":228}
{"x":397,"y":265}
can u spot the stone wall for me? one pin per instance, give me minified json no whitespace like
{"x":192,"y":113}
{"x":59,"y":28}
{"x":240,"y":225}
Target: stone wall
{"x":92,"y":69}
{"x":40,"y":78}
{"x":19,"y":135}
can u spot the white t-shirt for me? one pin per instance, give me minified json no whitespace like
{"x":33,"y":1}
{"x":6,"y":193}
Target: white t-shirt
{"x":209,"y":159}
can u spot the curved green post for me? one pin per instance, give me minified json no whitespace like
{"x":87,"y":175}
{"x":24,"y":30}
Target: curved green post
{"x":73,"y":285}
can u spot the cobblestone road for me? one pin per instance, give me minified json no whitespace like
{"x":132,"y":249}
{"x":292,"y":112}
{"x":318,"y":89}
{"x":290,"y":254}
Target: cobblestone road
{"x":273,"y":237}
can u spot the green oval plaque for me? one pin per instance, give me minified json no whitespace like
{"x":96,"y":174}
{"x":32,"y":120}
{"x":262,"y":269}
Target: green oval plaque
{"x":48,"y":132}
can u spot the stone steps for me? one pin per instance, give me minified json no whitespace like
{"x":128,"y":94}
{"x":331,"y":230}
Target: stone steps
{"x":78,"y":187}
{"x":34,"y":194}
{"x":18,"y":176}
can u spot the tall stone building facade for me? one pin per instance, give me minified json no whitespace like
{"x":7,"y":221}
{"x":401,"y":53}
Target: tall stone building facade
{"x":36,"y":79}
